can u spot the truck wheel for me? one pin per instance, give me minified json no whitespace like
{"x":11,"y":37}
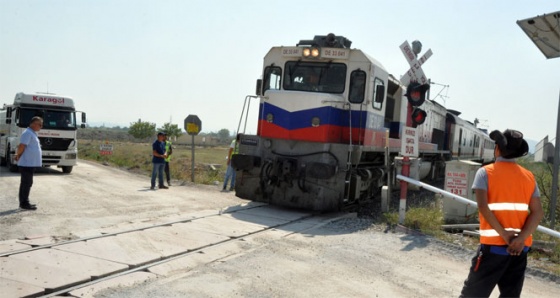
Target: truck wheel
{"x":3,"y":160}
{"x":67,"y":170}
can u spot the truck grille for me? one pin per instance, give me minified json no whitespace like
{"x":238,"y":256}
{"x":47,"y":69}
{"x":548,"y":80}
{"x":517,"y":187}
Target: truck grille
{"x":55,"y":144}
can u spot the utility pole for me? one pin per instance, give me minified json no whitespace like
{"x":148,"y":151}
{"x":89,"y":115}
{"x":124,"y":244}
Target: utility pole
{"x":555,"y":170}
{"x":545,"y":34}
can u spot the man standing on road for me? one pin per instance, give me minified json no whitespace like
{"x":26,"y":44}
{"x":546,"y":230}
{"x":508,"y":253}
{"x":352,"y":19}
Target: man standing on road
{"x":169,"y":151}
{"x":28,"y":157}
{"x":158,"y":160}
{"x":510,"y":210}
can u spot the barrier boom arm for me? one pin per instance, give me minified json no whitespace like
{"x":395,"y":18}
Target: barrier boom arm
{"x":465,"y":201}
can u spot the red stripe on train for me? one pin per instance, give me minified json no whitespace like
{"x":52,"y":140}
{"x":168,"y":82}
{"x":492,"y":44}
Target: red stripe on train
{"x":322,"y":133}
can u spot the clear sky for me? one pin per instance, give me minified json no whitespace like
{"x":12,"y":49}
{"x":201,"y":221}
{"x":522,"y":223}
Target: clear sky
{"x":160,"y":61}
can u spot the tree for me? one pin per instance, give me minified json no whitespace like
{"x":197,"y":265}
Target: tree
{"x":142,"y":130}
{"x":172,"y":130}
{"x":223,"y":135}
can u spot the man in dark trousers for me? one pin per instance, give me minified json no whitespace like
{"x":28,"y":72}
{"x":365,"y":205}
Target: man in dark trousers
{"x":29,"y":157}
{"x":510,"y":210}
{"x":158,"y":161}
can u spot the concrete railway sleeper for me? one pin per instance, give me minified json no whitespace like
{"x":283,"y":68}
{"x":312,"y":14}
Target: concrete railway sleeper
{"x":77,"y":265}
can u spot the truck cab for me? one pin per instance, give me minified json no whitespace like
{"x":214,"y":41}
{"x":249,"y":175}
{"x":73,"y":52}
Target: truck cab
{"x":58,"y":137}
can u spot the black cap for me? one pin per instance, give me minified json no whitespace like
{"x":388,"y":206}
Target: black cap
{"x":161,"y":133}
{"x":510,"y":142}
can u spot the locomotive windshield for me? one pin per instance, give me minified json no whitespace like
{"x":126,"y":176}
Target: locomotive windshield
{"x":315,"y":77}
{"x":64,"y":120}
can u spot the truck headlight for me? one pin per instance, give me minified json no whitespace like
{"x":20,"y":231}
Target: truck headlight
{"x":71,"y":156}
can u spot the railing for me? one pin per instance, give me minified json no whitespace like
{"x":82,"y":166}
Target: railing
{"x":464,"y":201}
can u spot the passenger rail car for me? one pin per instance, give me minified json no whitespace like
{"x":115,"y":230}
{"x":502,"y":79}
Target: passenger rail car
{"x":330,"y":125}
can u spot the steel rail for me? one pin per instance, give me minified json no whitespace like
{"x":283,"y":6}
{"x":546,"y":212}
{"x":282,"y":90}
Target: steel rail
{"x":164,"y":260}
{"x":50,"y":245}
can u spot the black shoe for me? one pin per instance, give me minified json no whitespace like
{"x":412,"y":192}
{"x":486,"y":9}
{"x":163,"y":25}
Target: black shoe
{"x":28,"y":207}
{"x":169,"y":183}
{"x":152,"y":187}
{"x":163,"y":187}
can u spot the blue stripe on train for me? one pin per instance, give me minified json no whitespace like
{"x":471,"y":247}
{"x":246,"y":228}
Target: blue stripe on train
{"x":302,"y":119}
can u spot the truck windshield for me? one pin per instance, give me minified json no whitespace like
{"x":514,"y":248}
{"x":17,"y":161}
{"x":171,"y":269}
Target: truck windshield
{"x":315,"y":76}
{"x":64,"y":120}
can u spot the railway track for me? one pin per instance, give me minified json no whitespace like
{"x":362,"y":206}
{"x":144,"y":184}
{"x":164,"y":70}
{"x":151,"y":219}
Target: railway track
{"x":83,"y":266}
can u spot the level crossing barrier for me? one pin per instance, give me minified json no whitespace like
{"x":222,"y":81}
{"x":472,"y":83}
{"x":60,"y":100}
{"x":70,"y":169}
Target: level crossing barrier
{"x":465,"y":201}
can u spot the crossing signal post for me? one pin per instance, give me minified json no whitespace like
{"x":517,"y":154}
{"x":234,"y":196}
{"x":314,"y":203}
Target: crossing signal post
{"x":417,"y":86}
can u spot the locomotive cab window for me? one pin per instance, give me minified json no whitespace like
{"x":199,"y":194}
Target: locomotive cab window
{"x":272,"y":78}
{"x":378,"y":94}
{"x":357,"y":86}
{"x":315,"y":77}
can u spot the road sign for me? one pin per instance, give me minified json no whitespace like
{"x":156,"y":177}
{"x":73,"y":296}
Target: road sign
{"x":106,"y":149}
{"x":409,"y":143}
{"x":415,"y":73}
{"x":193,"y":125}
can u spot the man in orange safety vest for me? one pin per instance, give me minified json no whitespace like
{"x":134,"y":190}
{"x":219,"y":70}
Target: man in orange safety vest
{"x":510,"y":210}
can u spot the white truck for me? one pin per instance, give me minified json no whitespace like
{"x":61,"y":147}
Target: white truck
{"x":58,"y":135}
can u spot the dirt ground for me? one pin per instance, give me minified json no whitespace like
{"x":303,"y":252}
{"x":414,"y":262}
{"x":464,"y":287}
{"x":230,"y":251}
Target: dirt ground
{"x":346,"y":258}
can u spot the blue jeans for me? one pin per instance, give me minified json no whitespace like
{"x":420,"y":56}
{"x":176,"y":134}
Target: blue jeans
{"x":157,"y":171}
{"x":230,"y":173}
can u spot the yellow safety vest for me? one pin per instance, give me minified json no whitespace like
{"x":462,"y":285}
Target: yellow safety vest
{"x":167,"y":146}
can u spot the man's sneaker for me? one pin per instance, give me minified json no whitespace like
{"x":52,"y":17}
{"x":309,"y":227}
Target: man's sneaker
{"x":163,"y":187}
{"x":28,"y":207}
{"x":231,"y":189}
{"x":169,"y":183}
{"x":153,"y":188}
{"x":224,"y":190}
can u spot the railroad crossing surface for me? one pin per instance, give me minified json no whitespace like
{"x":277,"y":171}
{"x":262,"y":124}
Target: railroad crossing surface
{"x":109,"y":257}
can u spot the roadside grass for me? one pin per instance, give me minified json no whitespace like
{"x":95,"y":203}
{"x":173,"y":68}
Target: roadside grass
{"x":210,"y":162}
{"x":428,"y":219}
{"x":210,"y":166}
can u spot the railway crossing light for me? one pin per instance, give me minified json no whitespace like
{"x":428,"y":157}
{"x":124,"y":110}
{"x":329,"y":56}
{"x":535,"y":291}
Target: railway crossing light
{"x":418,"y":116}
{"x":416,"y":93}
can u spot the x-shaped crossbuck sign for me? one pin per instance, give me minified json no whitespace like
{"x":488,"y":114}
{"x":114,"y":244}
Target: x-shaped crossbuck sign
{"x":415,"y":72}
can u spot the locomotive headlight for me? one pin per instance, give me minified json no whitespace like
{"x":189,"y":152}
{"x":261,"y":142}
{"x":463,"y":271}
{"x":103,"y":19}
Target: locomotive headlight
{"x":315,"y":121}
{"x":314,"y":52}
{"x":267,"y":143}
{"x":310,"y":52}
{"x":269,"y":118}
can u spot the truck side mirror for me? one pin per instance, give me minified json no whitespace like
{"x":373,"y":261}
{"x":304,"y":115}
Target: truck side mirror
{"x":84,"y":117}
{"x":8,"y":115}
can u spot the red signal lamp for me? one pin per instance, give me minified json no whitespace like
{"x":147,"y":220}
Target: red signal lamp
{"x":416,"y":93}
{"x":418,"y":116}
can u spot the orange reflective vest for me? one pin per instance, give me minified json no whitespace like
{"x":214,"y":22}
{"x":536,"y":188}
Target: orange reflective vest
{"x":510,"y":188}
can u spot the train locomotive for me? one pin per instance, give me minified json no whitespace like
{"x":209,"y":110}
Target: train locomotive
{"x":330,"y":127}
